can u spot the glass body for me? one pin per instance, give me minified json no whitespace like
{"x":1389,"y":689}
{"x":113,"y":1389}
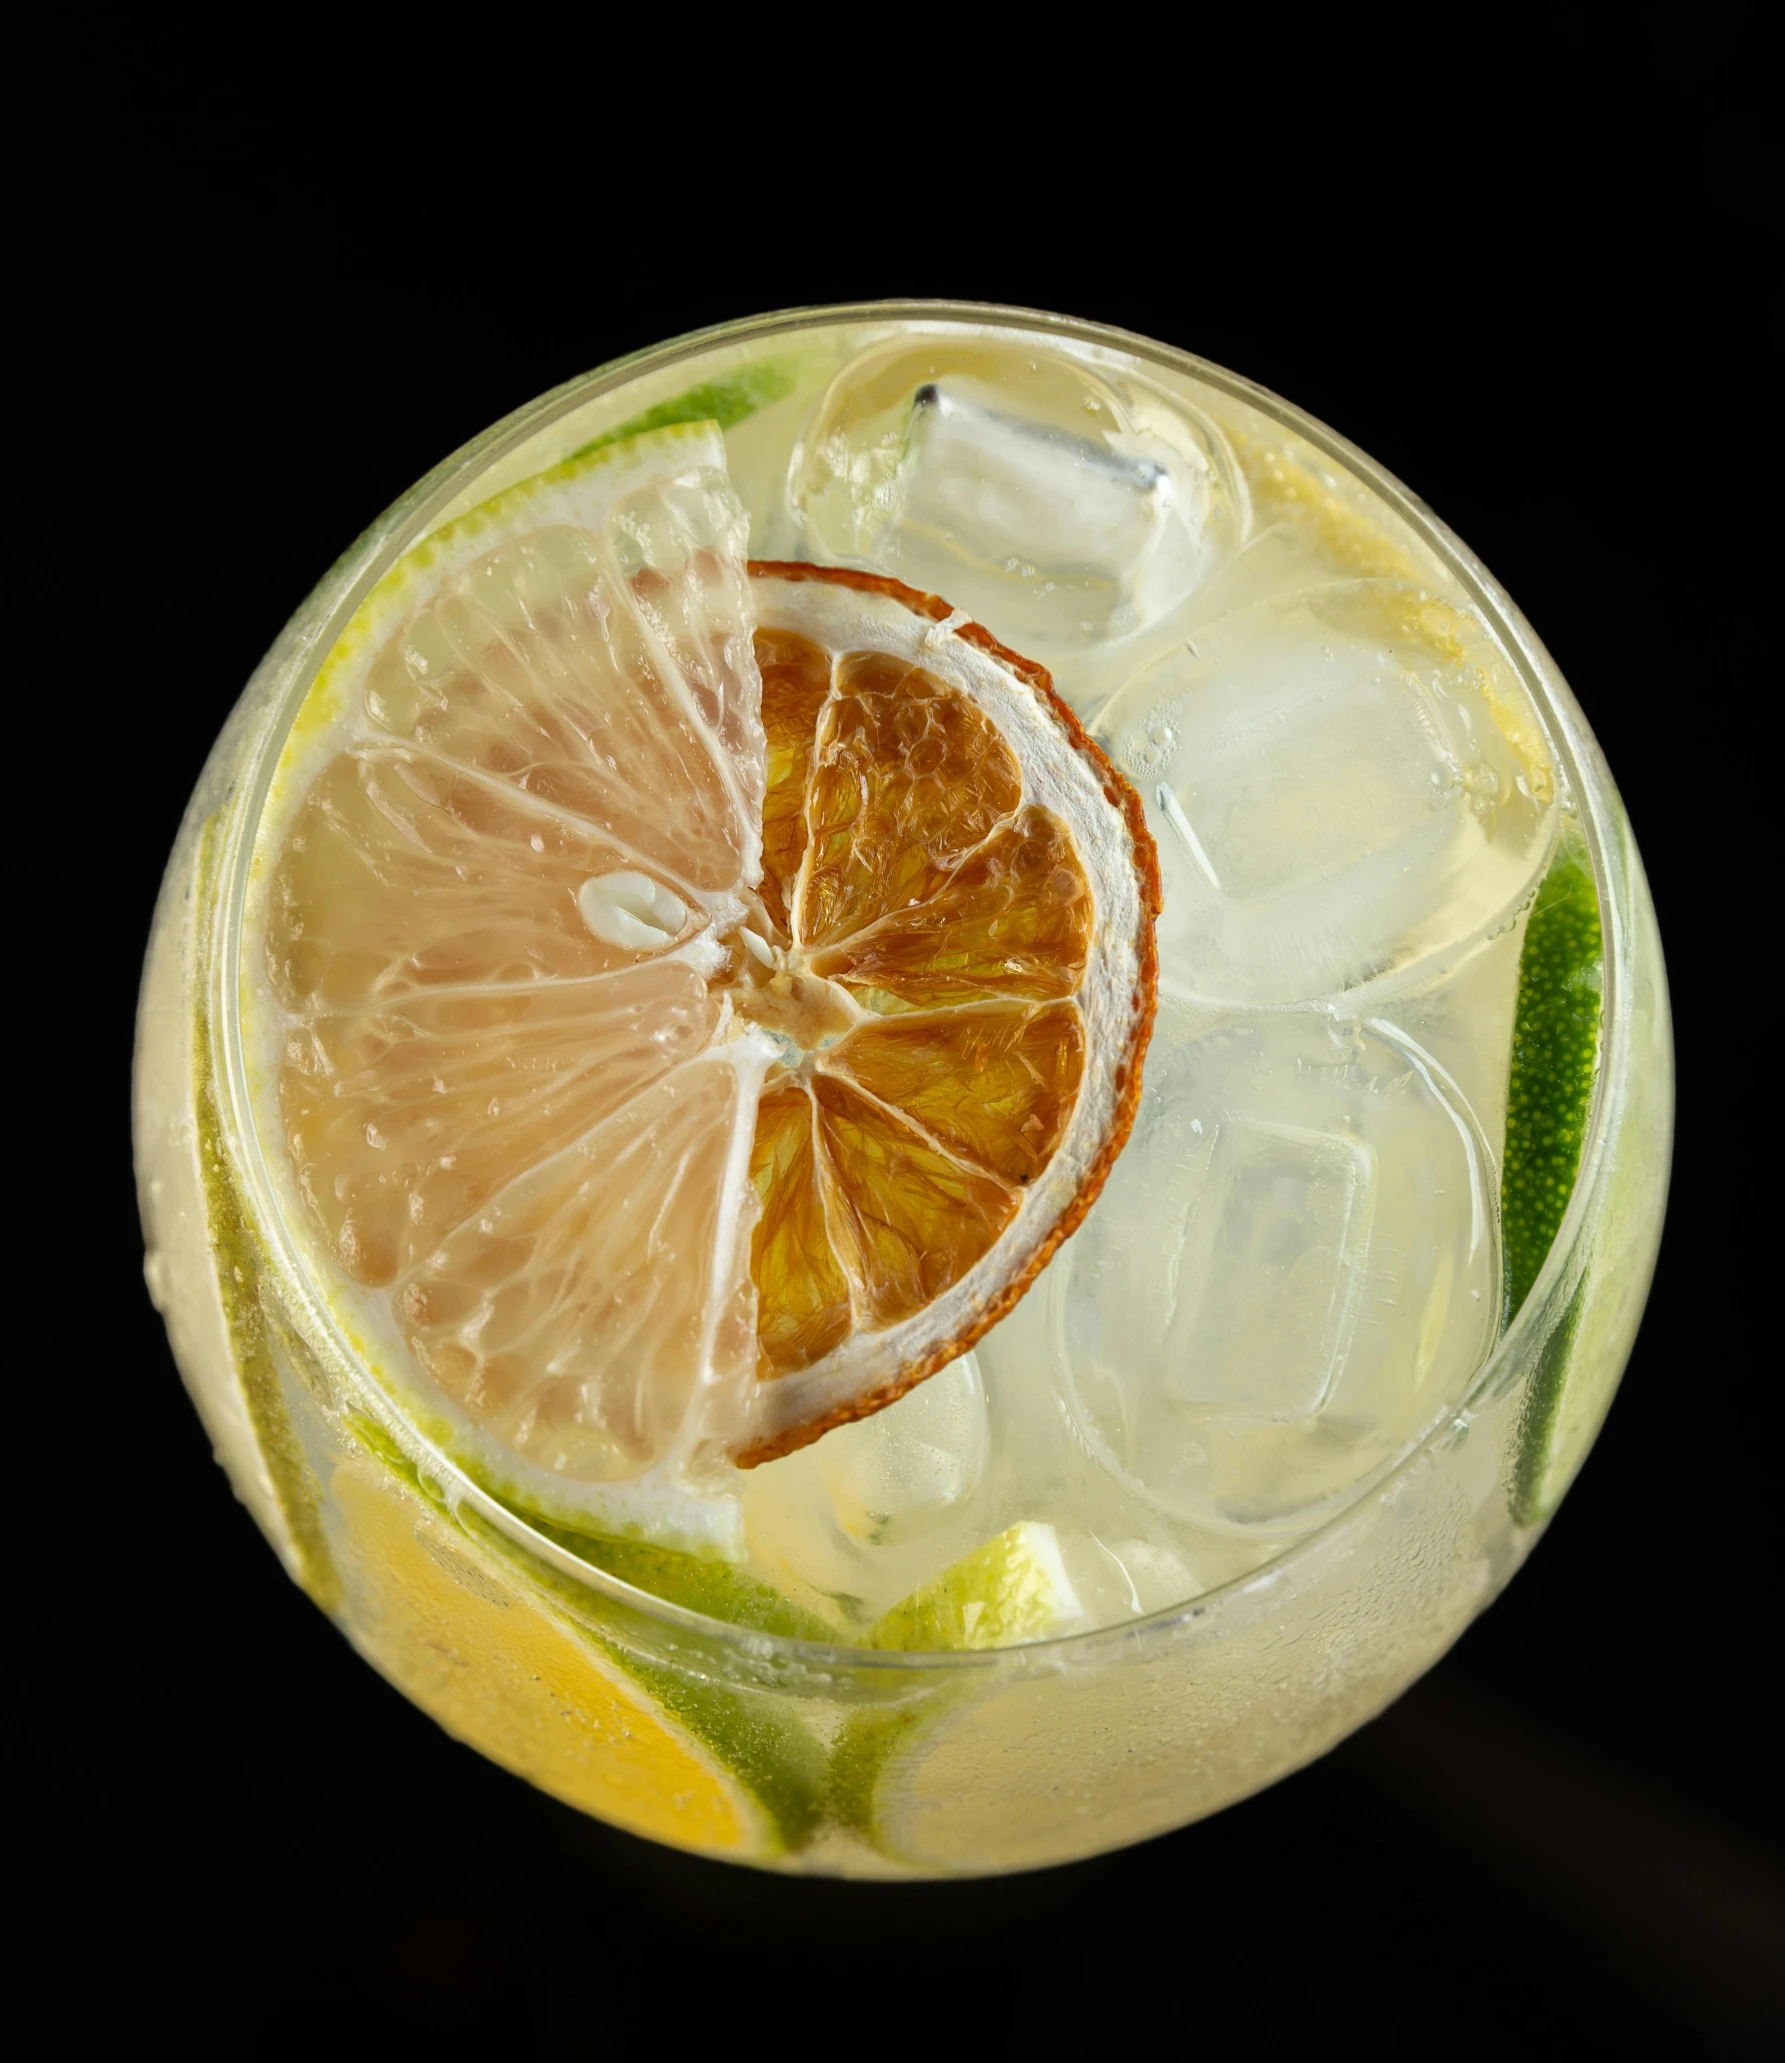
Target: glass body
{"x":775,"y":1751}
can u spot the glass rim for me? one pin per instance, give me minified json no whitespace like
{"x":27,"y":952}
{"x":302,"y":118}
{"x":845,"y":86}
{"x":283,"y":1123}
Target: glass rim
{"x":310,"y":635}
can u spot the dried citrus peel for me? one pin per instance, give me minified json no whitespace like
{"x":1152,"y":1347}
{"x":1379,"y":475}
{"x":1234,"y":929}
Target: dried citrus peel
{"x":962,"y":917}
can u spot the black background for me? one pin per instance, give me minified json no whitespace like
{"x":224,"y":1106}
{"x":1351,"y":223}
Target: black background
{"x":1527,"y":285}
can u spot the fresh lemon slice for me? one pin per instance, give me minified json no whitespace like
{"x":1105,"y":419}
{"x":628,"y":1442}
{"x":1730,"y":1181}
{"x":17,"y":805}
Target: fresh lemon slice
{"x":684,"y":1008}
{"x":437,"y":1607}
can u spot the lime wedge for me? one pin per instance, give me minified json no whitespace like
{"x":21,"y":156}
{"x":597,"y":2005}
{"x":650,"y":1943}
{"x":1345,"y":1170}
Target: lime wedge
{"x":1555,"y":1057}
{"x":1555,"y":1061}
{"x":1014,"y":1588}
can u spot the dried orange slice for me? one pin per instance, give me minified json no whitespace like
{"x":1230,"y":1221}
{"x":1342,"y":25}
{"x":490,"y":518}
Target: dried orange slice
{"x":687,"y":1004}
{"x":958,"y":893}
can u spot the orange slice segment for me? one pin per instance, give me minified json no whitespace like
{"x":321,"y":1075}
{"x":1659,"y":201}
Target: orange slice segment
{"x":910,"y":778}
{"x":908,"y":1219}
{"x":403,"y":1119}
{"x":993,"y":1086}
{"x":796,"y":684}
{"x":1012,"y":919}
{"x":689,"y":1002}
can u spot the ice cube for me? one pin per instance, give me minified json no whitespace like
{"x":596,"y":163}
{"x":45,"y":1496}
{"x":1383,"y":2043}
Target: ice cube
{"x":1276,"y":559}
{"x":897,"y":1476}
{"x":861,"y":1518}
{"x":1292,"y":1269}
{"x":1347,"y":786}
{"x":1060,"y":510}
{"x":984,"y":482}
{"x":1275,"y":1245}
{"x":1117,"y":1579}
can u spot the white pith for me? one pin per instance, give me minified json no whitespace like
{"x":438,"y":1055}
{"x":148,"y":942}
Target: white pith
{"x":682,"y":1499}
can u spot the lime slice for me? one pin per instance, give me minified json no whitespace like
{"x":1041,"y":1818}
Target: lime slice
{"x":661,"y":1752}
{"x":1555,"y":1060}
{"x":725,"y":401}
{"x":718,"y":1589}
{"x":1014,"y":1588}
